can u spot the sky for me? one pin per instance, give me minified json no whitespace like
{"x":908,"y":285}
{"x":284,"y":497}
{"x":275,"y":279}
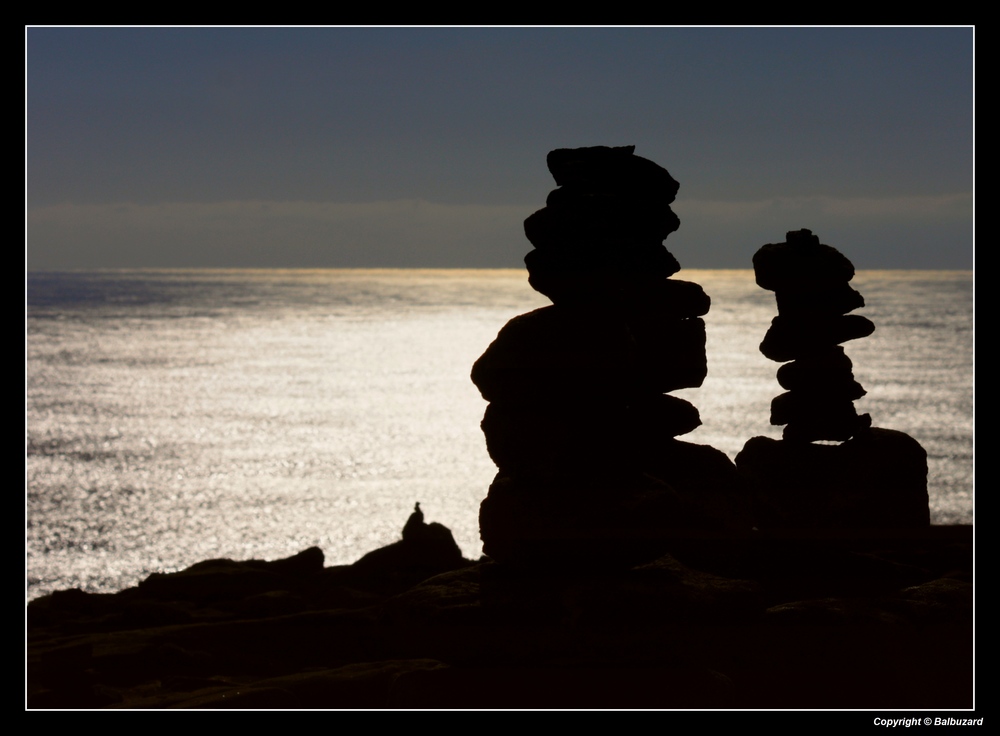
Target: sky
{"x":425,"y":147}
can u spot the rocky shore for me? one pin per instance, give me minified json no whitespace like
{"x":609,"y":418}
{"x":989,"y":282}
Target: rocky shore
{"x":831,"y":619}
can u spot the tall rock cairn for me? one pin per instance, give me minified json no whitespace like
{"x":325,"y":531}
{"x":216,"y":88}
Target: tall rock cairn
{"x":579,"y":421}
{"x":875,"y":477}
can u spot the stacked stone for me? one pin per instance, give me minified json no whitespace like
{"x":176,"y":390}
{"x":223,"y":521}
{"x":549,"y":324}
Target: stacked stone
{"x":874,"y":477}
{"x":811,"y":285}
{"x":602,"y":229}
{"x":579,"y":421}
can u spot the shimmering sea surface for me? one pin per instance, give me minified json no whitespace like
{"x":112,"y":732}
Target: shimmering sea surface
{"x":174,"y":416}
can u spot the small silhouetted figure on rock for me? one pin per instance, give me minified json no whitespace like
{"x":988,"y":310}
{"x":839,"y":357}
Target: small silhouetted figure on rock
{"x":424,"y":550}
{"x":414,"y":525}
{"x":875,"y":477}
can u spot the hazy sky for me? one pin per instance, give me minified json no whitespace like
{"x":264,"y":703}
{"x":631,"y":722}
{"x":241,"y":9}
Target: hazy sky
{"x":426,"y":147}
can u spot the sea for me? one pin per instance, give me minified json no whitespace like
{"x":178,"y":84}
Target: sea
{"x":174,"y":416}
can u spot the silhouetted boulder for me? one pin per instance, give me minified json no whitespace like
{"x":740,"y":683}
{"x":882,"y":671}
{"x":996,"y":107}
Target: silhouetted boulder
{"x":576,"y":219}
{"x":794,"y":406}
{"x":231,"y":579}
{"x":602,"y":521}
{"x":558,"y":351}
{"x":713,"y":493}
{"x":670,"y":353}
{"x":790,"y":338}
{"x":583,"y":435}
{"x":877,"y":479}
{"x":595,"y":275}
{"x":667,"y":299}
{"x":658,"y":418}
{"x":538,"y":437}
{"x":828,"y":422}
{"x":828,"y":366}
{"x":802,"y":300}
{"x":801,"y":264}
{"x":611,"y":168}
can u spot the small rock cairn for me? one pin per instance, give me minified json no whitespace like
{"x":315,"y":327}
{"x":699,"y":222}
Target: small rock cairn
{"x":810,"y":282}
{"x":579,"y":421}
{"x":876,"y":477}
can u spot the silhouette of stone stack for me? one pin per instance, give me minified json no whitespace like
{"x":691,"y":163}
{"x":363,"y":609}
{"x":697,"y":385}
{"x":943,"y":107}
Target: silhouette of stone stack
{"x":877,"y":477}
{"x":811,"y":286}
{"x":579,"y":422}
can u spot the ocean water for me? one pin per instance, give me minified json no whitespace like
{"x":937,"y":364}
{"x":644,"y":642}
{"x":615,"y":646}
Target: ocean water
{"x":174,"y":416}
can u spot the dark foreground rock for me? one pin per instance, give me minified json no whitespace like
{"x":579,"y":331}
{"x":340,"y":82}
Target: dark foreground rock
{"x":825,"y":619}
